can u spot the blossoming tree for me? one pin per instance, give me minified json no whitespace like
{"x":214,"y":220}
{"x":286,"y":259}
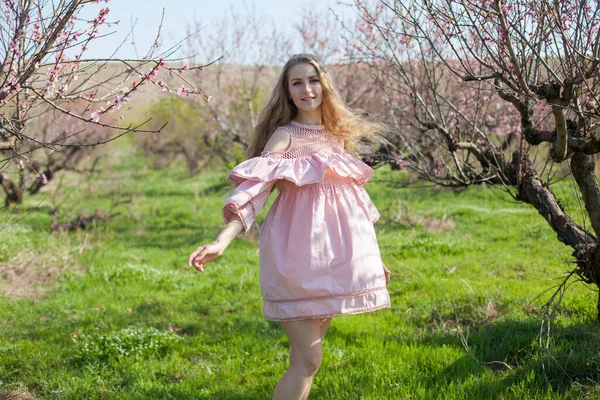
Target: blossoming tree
{"x":479,"y":86}
{"x":46,"y":80}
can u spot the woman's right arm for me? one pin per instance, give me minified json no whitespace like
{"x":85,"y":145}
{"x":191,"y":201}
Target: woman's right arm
{"x":279,"y":141}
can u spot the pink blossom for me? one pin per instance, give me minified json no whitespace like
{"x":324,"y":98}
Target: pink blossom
{"x":96,"y":115}
{"x":100,"y":19}
{"x":118,"y":101}
{"x":400,"y":162}
{"x":162,"y":85}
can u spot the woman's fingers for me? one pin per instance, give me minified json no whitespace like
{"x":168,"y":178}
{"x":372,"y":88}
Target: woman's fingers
{"x":196,"y":255}
{"x":387,"y":274}
{"x":202,"y":255}
{"x":191,"y":257}
{"x":198,"y":266}
{"x":197,"y":263}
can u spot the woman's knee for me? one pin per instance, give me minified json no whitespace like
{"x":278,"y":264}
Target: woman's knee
{"x":310,"y":359}
{"x":305,"y":343}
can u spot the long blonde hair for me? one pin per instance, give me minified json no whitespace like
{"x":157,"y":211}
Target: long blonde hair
{"x":338,"y":120}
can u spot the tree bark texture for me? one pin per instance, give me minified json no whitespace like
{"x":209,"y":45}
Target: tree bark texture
{"x":583,"y":166}
{"x":583,"y":243}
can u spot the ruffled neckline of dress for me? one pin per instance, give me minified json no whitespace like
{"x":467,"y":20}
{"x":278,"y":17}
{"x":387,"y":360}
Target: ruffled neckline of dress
{"x":301,"y":171}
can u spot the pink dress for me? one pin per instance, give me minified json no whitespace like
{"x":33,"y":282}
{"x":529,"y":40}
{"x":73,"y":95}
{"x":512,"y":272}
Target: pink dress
{"x":319,"y":255}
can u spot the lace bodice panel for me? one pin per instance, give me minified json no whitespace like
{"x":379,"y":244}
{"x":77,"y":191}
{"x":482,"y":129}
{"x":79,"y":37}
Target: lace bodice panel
{"x":306,"y":141}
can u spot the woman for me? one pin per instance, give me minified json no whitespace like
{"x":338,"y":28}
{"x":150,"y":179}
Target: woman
{"x":318,"y":250}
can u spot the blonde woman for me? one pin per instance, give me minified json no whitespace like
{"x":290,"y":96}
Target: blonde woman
{"x":319,"y":255}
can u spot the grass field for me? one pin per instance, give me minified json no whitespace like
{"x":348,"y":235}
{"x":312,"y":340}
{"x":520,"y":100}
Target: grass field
{"x":114,"y":313}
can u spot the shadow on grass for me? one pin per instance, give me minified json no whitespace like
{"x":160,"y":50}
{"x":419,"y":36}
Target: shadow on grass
{"x":246,"y":393}
{"x":184,"y":233}
{"x":505,"y":357}
{"x":222,"y":188}
{"x":166,"y":236}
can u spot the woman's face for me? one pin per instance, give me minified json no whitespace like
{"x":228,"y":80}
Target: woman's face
{"x":305,"y":87}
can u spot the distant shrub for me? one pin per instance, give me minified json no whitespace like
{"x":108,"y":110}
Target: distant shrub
{"x":199,"y":133}
{"x":187,"y":135}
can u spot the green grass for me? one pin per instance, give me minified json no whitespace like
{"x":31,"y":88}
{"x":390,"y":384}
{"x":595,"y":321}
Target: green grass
{"x":126,"y":319}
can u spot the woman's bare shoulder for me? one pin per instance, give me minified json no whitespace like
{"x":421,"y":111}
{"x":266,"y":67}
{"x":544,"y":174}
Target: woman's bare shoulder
{"x":280,"y":140}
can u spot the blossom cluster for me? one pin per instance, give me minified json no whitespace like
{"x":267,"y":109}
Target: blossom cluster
{"x":44,"y":65}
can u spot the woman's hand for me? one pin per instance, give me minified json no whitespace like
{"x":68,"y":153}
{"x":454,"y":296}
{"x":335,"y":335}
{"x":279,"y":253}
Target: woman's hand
{"x":387,"y":274}
{"x":209,"y":252}
{"x":204,"y":254}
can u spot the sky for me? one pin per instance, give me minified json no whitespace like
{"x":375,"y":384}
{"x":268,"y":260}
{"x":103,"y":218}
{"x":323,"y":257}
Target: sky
{"x":179,"y":14}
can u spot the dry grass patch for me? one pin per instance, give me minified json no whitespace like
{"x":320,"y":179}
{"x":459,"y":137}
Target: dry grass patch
{"x":31,"y":273}
{"x":437,"y":224}
{"x":19,"y":394}
{"x":402,"y":215}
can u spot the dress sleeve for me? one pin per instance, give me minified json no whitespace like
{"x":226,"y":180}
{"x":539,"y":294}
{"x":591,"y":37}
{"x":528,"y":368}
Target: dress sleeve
{"x":247,"y":200}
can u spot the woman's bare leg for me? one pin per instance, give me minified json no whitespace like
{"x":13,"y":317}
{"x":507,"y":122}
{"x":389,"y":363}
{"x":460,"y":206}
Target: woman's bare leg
{"x":324,"y":325}
{"x":305,"y":338}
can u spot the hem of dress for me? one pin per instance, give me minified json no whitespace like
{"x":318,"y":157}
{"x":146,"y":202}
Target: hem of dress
{"x":326,"y":297}
{"x":375,"y":218}
{"x":338,"y":314}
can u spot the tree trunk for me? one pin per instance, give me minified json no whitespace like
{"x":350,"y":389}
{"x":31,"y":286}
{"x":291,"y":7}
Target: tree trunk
{"x":584,"y":244}
{"x":583,"y":166}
